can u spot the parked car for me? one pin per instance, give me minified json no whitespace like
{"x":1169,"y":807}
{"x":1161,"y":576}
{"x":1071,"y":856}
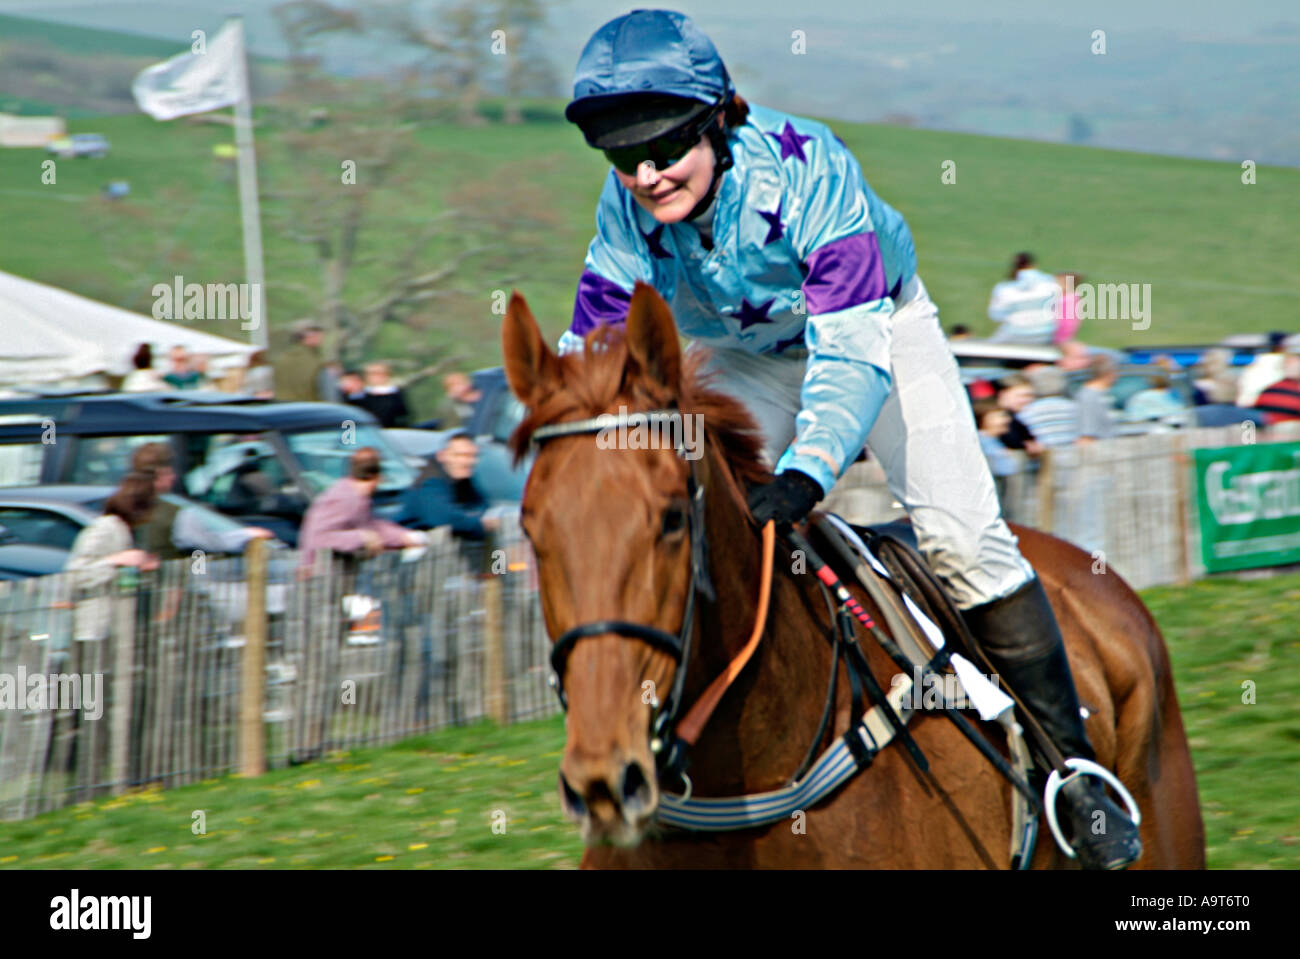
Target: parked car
{"x":39,"y":524}
{"x":1188,"y":356}
{"x":986,"y":360}
{"x":259,"y":461}
{"x":53,"y":516}
{"x":79,"y":145}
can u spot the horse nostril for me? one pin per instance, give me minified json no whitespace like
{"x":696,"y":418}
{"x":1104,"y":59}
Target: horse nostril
{"x":572,"y":800}
{"x":636,"y":789}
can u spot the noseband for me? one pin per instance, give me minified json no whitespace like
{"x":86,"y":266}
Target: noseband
{"x":669,"y":750}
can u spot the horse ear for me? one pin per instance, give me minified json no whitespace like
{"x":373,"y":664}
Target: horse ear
{"x":651,"y":336}
{"x":531,"y":368}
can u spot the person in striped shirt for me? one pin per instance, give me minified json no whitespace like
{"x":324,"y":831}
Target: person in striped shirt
{"x":1053,"y":419}
{"x":1280,"y":401}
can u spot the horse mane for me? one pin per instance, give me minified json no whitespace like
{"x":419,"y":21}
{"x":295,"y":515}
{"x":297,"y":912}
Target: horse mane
{"x":605,"y":373}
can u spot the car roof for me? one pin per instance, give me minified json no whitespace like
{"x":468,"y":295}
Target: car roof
{"x":140,"y":414}
{"x":1019,"y":352}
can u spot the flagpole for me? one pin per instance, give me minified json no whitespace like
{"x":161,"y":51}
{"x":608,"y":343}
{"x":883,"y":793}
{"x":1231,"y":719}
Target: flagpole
{"x":248,"y":208}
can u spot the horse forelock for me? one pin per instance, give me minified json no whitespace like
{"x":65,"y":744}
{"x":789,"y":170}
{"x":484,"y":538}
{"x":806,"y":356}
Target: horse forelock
{"x":605,"y":375}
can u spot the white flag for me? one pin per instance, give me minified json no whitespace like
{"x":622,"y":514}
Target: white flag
{"x":192,"y":82}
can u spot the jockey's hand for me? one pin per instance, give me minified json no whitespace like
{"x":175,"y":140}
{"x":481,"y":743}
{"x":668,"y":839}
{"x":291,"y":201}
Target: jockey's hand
{"x":787,"y":499}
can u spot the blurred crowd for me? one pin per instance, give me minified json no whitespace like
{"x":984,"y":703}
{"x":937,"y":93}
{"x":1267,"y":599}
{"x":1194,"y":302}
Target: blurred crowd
{"x":340,"y":519}
{"x":1079,"y":399}
{"x":1034,"y":410}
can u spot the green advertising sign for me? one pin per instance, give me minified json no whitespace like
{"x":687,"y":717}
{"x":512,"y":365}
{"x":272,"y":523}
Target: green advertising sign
{"x":1248,"y":498}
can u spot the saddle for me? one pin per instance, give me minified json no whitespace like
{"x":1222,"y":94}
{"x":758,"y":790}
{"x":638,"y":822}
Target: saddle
{"x":908,"y":589}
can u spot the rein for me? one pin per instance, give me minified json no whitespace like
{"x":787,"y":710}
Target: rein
{"x":669,"y":740}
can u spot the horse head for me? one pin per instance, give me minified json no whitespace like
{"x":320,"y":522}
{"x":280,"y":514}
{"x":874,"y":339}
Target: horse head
{"x":609,"y":513}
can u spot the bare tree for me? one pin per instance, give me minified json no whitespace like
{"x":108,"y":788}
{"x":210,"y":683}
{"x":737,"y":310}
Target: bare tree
{"x":352,"y":187}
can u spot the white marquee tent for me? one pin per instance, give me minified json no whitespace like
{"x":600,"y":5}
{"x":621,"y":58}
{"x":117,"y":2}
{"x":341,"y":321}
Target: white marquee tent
{"x":48,"y":335}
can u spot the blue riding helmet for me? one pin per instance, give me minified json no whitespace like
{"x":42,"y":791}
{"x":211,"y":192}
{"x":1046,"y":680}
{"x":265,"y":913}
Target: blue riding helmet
{"x":647,"y":76}
{"x":643,"y":75}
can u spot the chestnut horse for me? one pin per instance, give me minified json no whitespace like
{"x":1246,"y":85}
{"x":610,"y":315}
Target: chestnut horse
{"x":611,"y":541}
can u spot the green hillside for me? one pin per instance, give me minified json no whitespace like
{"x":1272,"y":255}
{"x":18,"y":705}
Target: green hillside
{"x":83,"y":40}
{"x":1221,"y":257}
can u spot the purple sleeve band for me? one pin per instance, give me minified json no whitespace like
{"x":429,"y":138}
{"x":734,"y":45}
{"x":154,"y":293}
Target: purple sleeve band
{"x":599,"y":301}
{"x":845,"y":273}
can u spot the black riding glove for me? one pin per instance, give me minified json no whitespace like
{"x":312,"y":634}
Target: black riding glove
{"x":787,"y":499}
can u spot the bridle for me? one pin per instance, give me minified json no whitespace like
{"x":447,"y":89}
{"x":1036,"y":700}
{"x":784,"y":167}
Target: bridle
{"x":669,"y":747}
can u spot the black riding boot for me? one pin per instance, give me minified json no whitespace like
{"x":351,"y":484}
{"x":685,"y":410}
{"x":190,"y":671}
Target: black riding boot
{"x":1020,"y":636}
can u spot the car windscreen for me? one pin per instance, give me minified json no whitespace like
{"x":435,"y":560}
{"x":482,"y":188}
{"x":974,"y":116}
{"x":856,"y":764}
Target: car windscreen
{"x":323,"y":456}
{"x":104,"y":460}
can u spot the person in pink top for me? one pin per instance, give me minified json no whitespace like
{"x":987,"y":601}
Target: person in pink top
{"x":1067,"y":317}
{"x":342,"y":518}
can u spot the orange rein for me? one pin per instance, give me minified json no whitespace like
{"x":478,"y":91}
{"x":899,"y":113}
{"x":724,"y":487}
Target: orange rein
{"x":690,"y":728}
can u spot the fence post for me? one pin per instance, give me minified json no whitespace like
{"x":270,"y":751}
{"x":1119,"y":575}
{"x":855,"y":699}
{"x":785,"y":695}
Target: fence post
{"x":252,"y":687}
{"x":494,"y":651}
{"x":122,"y":600}
{"x":1182,"y":463}
{"x":1046,"y":491}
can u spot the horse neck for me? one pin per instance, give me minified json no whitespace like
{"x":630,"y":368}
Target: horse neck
{"x":771,"y":709}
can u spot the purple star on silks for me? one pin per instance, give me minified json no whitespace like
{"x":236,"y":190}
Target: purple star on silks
{"x":782,"y":345}
{"x":654,"y":238}
{"x":774,"y":229}
{"x":791,"y":142}
{"x":750,"y":315}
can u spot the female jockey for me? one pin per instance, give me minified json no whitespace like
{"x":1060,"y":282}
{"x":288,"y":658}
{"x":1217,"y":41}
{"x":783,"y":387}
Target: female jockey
{"x":760,"y":231}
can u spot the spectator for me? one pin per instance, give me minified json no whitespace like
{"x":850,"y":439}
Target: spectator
{"x":1280,"y":401}
{"x":143,"y":378}
{"x":383,"y":398}
{"x":445,"y":495}
{"x":298,"y":371}
{"x":1095,"y":420}
{"x":1264,"y":370}
{"x":1014,"y":394}
{"x":457,"y":408}
{"x":104,"y":546}
{"x":342,"y":518}
{"x":327,"y":381}
{"x":352,"y":388}
{"x":1216,"y":384}
{"x":981,"y":390}
{"x":171,"y":532}
{"x":1024,"y":305}
{"x":1067,"y":312}
{"x":183,"y":375}
{"x":1157,"y":401}
{"x":992,"y":421}
{"x":259,"y":377}
{"x":1053,"y":419}
{"x":1074,"y":356}
{"x":960,"y":331}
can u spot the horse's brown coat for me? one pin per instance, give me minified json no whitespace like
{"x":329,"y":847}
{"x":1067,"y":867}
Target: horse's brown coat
{"x":594,"y":518}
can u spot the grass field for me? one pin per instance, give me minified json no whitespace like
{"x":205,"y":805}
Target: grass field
{"x":433,"y":802}
{"x":1220,"y":256}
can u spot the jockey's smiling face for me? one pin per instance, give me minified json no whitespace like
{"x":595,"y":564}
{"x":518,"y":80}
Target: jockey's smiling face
{"x":669,"y":194}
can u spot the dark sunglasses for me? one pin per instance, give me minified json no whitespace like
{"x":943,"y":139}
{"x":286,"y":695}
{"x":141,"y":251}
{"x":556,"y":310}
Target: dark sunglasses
{"x":662,"y":151}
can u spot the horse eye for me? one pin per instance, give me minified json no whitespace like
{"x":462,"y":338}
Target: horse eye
{"x":674,"y":520}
